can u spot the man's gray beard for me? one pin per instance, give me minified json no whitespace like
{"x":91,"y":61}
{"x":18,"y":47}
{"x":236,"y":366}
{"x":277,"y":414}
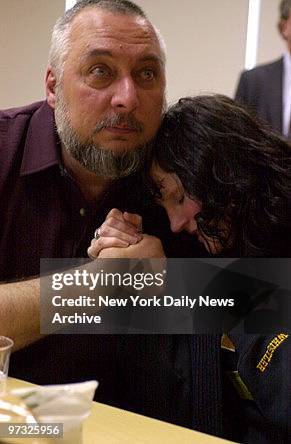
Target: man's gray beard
{"x":102,"y":162}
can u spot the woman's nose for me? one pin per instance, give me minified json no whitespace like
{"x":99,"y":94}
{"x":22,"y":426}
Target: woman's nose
{"x":180,"y":223}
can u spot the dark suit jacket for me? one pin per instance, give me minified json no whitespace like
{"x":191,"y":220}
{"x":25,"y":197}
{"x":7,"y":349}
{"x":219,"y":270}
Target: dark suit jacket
{"x":261,"y":90}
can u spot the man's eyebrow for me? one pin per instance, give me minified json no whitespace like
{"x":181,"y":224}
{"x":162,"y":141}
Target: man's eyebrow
{"x":96,"y":53}
{"x":105,"y":52}
{"x":151,"y":58}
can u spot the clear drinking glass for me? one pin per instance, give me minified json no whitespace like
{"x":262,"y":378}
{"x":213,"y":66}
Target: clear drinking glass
{"x":6,"y":345}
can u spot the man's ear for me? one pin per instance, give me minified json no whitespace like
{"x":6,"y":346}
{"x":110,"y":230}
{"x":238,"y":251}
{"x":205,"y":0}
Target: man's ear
{"x":50,"y":87}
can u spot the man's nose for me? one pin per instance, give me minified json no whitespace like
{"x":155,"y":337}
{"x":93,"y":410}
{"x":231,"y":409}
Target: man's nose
{"x":125,"y":95}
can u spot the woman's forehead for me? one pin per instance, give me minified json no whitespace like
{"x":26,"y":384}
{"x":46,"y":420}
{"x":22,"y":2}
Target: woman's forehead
{"x":167,"y":182}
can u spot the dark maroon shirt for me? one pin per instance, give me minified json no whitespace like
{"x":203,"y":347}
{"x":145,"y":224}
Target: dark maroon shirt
{"x":43,"y":214}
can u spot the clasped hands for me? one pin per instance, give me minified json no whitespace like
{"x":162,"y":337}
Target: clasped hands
{"x":121,"y":237}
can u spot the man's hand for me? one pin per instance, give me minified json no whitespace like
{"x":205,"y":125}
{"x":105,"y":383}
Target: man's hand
{"x":148,"y":247}
{"x":118,"y":230}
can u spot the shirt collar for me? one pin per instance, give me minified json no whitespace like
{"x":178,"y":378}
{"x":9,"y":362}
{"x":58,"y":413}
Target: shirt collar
{"x":287,"y":60}
{"x":41,"y":145}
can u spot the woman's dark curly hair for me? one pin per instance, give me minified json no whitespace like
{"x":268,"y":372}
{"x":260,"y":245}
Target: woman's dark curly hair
{"x":235,"y":166}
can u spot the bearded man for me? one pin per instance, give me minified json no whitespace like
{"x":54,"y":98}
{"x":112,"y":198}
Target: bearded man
{"x":65,"y":163}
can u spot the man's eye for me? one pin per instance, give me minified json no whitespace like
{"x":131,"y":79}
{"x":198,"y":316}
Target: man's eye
{"x":101,"y":72}
{"x":147,"y":74}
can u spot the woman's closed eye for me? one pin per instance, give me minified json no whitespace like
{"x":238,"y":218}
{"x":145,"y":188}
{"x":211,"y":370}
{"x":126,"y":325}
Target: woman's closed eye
{"x":181,"y":199}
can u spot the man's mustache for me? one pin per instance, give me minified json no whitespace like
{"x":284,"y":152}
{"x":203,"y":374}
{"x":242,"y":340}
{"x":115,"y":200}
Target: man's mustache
{"x":119,"y":119}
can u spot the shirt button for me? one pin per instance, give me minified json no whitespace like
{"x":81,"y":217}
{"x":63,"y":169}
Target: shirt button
{"x":82,"y":212}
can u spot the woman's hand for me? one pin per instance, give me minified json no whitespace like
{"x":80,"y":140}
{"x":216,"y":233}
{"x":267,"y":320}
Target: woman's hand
{"x":118,"y":230}
{"x":148,"y":247}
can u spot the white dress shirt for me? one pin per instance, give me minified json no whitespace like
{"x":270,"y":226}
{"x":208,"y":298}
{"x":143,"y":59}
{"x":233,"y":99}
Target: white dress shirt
{"x":286,"y":96}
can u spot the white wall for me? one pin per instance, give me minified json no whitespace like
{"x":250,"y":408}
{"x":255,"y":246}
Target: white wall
{"x":205,"y":42}
{"x":25,"y":27}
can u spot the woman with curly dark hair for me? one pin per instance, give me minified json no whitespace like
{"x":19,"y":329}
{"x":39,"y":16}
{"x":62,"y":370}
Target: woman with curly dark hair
{"x":225,"y":178}
{"x":212,"y":154}
{"x":221,"y":175}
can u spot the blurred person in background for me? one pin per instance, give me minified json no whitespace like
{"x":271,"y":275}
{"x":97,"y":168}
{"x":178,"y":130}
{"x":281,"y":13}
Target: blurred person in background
{"x":266,"y":89}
